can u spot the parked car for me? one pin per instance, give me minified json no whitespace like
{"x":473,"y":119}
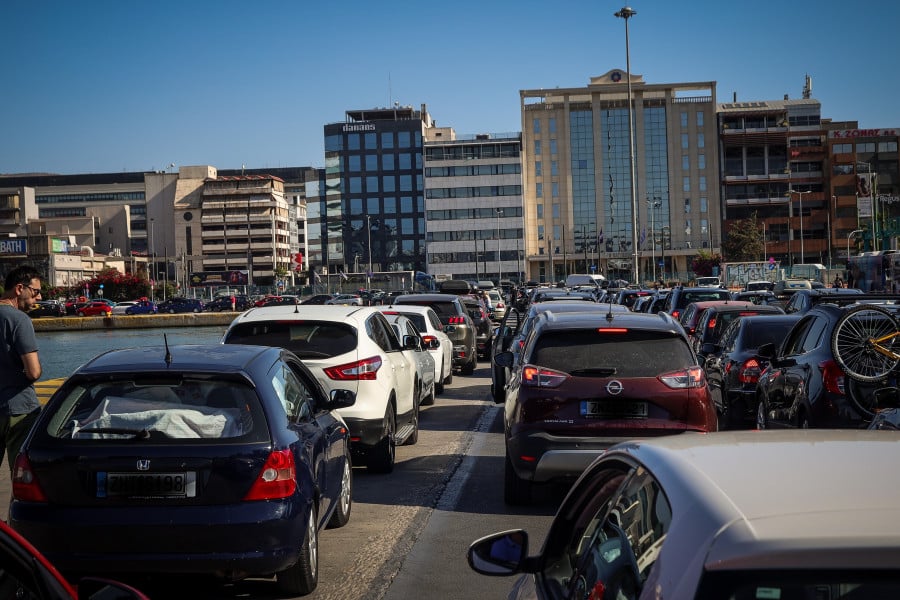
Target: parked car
{"x":802,"y":300}
{"x":180,"y":305}
{"x":93,"y":309}
{"x":733,"y":367}
{"x":223,"y":303}
{"x":418,"y":355}
{"x":208,"y":459}
{"x":347,"y":347}
{"x":318,"y":299}
{"x":804,"y":387}
{"x":713,"y":282}
{"x":348,"y":299}
{"x":758,"y":297}
{"x":48,"y":308}
{"x":628,"y":297}
{"x":28,"y":574}
{"x":449,"y":308}
{"x":587,"y":380}
{"x":715,"y":319}
{"x":484,"y":329}
{"x":691,"y":314}
{"x":498,"y":305}
{"x":436,"y":340}
{"x":140,"y":307}
{"x":685,"y":517}
{"x":283,"y":300}
{"x":119,"y":308}
{"x":759,"y":285}
{"x":681,"y":296}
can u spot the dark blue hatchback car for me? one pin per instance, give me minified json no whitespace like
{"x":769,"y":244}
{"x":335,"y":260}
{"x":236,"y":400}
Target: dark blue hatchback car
{"x":197,"y":459}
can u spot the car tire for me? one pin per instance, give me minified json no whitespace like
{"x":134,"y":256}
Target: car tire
{"x":341,"y":515}
{"x":171,"y":311}
{"x":516,"y":491}
{"x":302,"y":577}
{"x":80,"y":314}
{"x":469,"y":367}
{"x":449,"y":379}
{"x":383,"y":454}
{"x":196,"y":310}
{"x":762,"y":418}
{"x":429,"y":399}
{"x":413,"y":438}
{"x":439,"y":382}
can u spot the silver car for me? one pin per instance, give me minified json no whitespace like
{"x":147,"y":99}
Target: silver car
{"x":736,"y":515}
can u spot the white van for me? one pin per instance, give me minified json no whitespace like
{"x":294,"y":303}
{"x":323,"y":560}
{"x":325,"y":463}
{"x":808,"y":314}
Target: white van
{"x":585,"y":279}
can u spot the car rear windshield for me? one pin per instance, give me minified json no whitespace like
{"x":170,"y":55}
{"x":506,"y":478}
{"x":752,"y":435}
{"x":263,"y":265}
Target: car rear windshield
{"x":306,"y":339}
{"x":629,"y":354}
{"x":417,"y":319}
{"x":771,"y":332}
{"x":444,"y":310}
{"x":159,"y":410}
{"x":705,"y":296}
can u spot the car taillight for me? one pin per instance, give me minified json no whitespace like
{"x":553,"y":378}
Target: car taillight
{"x":500,"y":305}
{"x":456,"y":321}
{"x":675,"y":314}
{"x":278,"y":478}
{"x":749,"y":371}
{"x":540,"y":377}
{"x":25,"y":485}
{"x":428,"y":338}
{"x":360,"y":370}
{"x":832,"y":377}
{"x":691,"y":377}
{"x":711,"y":324}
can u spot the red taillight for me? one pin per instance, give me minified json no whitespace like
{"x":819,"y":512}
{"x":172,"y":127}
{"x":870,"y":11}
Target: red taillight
{"x":711,"y":324}
{"x":25,"y":485}
{"x":749,"y":371}
{"x":675,"y":314}
{"x":691,"y":377}
{"x":456,"y":321}
{"x":612,"y":330}
{"x":428,"y":338}
{"x":500,"y":305}
{"x":361,"y":370}
{"x":832,"y":377}
{"x":540,"y":377}
{"x":278,"y":478}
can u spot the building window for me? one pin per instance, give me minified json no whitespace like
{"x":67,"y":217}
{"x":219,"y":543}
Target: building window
{"x":537,"y":169}
{"x":684,"y":141}
{"x":353,"y":141}
{"x":703,"y":206}
{"x":540,"y":233}
{"x":554,"y":187}
{"x":554,"y":168}
{"x":553,"y":147}
{"x":372,"y":184}
{"x":552,"y":125}
{"x":701,"y":160}
{"x":842,"y":148}
{"x":353,"y":162}
{"x":371,"y":162}
{"x":864,"y":147}
{"x":537,"y":126}
{"x":540,"y":211}
{"x":537,"y":147}
{"x":685,"y":162}
{"x":556,"y":213}
{"x":387,"y":162}
{"x":371,"y":141}
{"x":684,"y":120}
{"x":539,"y":190}
{"x":702,"y":184}
{"x":701,"y":140}
{"x":887,"y":146}
{"x":403,"y":140}
{"x":405,"y":162}
{"x":387,"y":139}
{"x":699,"y":118}
{"x":685,"y":184}
{"x":687,"y":205}
{"x":356,"y":185}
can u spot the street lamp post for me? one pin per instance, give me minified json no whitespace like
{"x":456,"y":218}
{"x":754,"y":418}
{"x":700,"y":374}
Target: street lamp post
{"x":499,"y":263}
{"x":369,"y":230}
{"x":652,"y":205}
{"x":626,"y":13}
{"x":662,"y":235}
{"x":152,"y":261}
{"x":799,"y":193}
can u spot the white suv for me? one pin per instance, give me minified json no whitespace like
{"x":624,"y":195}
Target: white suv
{"x":347,"y":347}
{"x":433,"y":332}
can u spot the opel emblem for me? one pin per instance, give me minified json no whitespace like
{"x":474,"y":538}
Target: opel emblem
{"x":614,"y":387}
{"x":144,"y":464}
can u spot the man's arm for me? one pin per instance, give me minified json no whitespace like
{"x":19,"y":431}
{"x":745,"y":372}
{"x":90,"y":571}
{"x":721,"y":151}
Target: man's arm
{"x":32,"y":366}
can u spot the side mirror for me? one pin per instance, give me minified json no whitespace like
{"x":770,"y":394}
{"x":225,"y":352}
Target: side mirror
{"x":411,"y":342}
{"x":503,"y":359}
{"x":341,"y":399}
{"x":499,"y":554}
{"x":766,"y":351}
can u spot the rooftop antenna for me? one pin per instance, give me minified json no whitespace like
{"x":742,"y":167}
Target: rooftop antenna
{"x":390,"y":90}
{"x":168,"y":358}
{"x":807,"y":88}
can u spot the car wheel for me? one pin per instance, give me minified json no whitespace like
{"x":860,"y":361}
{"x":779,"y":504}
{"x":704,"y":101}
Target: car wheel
{"x":802,"y":420}
{"x":302,"y":578}
{"x":469,"y":367}
{"x":341,"y":514}
{"x":762,"y":419}
{"x":196,"y":310}
{"x":129,"y":312}
{"x":516,"y":491}
{"x":171,"y":311}
{"x":80,"y":313}
{"x":429,"y":399}
{"x":381,"y":459}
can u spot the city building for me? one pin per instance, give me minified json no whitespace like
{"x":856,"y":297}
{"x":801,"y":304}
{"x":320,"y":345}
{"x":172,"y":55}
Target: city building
{"x":473,"y":205}
{"x":371,"y":210}
{"x":577,"y":182}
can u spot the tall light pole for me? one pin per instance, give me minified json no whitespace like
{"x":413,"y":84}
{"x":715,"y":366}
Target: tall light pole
{"x":152,"y":261}
{"x":850,"y":235}
{"x":652,"y":205}
{"x":626,"y":13}
{"x":799,"y":193}
{"x":499,"y":263}
{"x":369,"y":231}
{"x":662,"y":235}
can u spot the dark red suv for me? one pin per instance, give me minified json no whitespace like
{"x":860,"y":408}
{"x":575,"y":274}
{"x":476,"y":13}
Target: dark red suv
{"x":588,"y":380}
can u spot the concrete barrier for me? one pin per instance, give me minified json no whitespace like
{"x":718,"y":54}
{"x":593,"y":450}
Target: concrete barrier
{"x":133,"y":321}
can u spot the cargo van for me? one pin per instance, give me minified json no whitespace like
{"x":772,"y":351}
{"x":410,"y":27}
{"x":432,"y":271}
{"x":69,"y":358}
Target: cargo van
{"x":585,"y":279}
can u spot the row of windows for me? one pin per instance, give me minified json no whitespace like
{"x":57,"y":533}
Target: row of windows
{"x":473,"y":234}
{"x":98,"y":197}
{"x":389,"y":162}
{"x":455,"y":214}
{"x":551,"y":125}
{"x":385,"y":183}
{"x":474,"y":170}
{"x":370,"y":140}
{"x":49,"y":213}
{"x":473,"y":257}
{"x":766,"y":190}
{"x":474,"y":151}
{"x":865,"y":147}
{"x":475,"y":192}
{"x":684,"y":119}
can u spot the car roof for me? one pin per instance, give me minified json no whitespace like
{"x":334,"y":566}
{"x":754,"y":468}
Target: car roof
{"x":425,"y":297}
{"x":198,"y":358}
{"x":306,"y":311}
{"x":559,"y":306}
{"x":823,"y":501}
{"x":738,"y":306}
{"x":629,"y":320}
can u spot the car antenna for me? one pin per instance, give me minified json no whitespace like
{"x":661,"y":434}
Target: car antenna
{"x":168,"y":358}
{"x":609,"y":315}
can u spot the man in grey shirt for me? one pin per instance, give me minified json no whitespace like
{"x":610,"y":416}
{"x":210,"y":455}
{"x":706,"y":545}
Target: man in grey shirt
{"x":19,"y":363}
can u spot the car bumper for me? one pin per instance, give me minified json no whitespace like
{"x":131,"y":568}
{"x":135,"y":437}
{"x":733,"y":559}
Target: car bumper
{"x":232,"y":541}
{"x":364,"y":433}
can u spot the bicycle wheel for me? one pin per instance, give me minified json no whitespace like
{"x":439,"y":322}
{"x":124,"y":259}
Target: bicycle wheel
{"x":852,"y":342}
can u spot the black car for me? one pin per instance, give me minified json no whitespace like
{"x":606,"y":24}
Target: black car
{"x":484,"y":327}
{"x":733,"y":365}
{"x":503,"y":338}
{"x":451,"y":311}
{"x":48,"y":308}
{"x":805,"y":387}
{"x":223,"y":303}
{"x":681,"y":296}
{"x":199,"y":460}
{"x":803,"y":300}
{"x":715,"y":319}
{"x":180,"y":305}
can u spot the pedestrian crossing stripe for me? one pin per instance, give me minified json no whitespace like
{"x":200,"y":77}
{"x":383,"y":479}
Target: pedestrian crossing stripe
{"x":46,"y":388}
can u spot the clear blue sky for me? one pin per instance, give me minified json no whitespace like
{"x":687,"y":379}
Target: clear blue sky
{"x":111,"y":85}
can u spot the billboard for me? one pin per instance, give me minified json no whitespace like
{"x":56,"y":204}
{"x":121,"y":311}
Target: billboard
{"x":13,"y":247}
{"x":208,"y":278}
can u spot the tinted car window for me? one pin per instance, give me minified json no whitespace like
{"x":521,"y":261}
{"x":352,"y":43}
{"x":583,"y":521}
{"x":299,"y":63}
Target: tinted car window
{"x":155,"y":411}
{"x":814,"y":334}
{"x":586,"y":352}
{"x":308,"y":339}
{"x":705,"y":296}
{"x":444,"y":310}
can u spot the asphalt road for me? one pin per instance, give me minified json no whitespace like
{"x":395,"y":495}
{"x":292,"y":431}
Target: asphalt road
{"x":409,"y":530}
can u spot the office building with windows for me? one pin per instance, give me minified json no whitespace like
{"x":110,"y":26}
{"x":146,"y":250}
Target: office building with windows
{"x":577,"y":182}
{"x":371,"y":208}
{"x":473,"y":204}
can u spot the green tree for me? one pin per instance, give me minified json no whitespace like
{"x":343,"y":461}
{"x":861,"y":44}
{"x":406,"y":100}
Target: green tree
{"x":744,"y":241}
{"x":703,"y":263}
{"x":116,"y":286}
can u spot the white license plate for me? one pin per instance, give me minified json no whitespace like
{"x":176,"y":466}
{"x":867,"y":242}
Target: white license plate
{"x":631,"y":409}
{"x":169,"y":485}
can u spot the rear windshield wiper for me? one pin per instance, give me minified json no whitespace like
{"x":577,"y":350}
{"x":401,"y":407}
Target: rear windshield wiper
{"x":594,"y":372}
{"x":138,"y":434}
